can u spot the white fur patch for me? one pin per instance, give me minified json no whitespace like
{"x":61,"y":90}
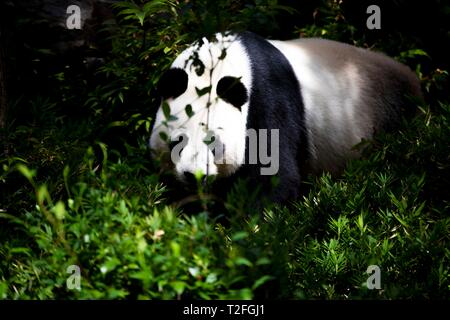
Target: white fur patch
{"x":331,"y":97}
{"x":226,"y":121}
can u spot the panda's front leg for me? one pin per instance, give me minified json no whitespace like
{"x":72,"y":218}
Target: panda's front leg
{"x":285,"y":185}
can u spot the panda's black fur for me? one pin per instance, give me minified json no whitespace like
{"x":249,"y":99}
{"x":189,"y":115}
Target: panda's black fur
{"x":276,"y":106}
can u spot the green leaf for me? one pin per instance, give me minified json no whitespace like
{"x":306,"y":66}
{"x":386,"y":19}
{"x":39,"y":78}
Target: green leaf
{"x":211,"y":278}
{"x":164,"y":136}
{"x":198,"y":175}
{"x":176,"y":249}
{"x":66,"y":172}
{"x":42,"y":193}
{"x":199,"y":66}
{"x":223,"y":54}
{"x":166,"y":110}
{"x":117,"y":293}
{"x":110,"y":265}
{"x":123,"y":210}
{"x":417,"y":52}
{"x":22,"y":250}
{"x":141,"y":16}
{"x":239,"y":236}
{"x":141,"y":245}
{"x":261,"y":281}
{"x":155,"y":6}
{"x":59,"y":210}
{"x":172,"y":118}
{"x":143,"y":275}
{"x":194,"y":271}
{"x":117,"y":124}
{"x":178,"y":286}
{"x":243,"y":261}
{"x":203,"y":91}
{"x":27,"y":173}
{"x":188,"y":110}
{"x":262,"y":261}
{"x":3,"y":290}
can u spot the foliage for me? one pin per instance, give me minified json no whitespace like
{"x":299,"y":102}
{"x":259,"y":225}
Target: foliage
{"x":389,"y":210}
{"x":77,"y":186}
{"x":127,"y":245}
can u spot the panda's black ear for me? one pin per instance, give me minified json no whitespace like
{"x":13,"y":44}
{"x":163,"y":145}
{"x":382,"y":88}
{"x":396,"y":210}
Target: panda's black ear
{"x":173,"y":83}
{"x":232,"y":91}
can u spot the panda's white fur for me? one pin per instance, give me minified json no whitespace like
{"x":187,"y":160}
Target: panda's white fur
{"x":331,"y":92}
{"x":338,"y":97}
{"x":348,"y":93}
{"x":226,"y":121}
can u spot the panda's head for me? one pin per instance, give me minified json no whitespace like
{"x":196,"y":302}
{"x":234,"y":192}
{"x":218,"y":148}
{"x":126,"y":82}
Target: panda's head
{"x":201,"y":122}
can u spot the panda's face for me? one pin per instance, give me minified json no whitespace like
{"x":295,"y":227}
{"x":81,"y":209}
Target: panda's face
{"x":202,"y":120}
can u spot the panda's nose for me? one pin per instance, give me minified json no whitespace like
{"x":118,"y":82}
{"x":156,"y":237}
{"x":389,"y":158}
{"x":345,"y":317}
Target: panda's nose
{"x":189,"y":178}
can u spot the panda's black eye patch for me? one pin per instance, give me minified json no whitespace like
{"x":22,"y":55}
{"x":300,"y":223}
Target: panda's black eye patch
{"x":173,"y":83}
{"x":232,"y":91}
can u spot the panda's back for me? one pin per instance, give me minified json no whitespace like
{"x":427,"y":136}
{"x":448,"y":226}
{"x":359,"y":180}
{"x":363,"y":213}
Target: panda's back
{"x":348,"y":94}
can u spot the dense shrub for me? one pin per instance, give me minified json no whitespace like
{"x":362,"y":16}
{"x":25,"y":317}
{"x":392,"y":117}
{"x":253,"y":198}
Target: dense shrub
{"x":389,"y":209}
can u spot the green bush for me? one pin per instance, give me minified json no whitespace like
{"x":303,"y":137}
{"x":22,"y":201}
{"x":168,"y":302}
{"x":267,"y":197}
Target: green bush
{"x":389,"y":209}
{"x":127,"y":244}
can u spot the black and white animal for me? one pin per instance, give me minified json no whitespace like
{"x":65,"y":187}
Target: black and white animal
{"x":323,"y":96}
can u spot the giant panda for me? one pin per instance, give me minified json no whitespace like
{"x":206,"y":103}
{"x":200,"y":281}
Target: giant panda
{"x":323,"y":96}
